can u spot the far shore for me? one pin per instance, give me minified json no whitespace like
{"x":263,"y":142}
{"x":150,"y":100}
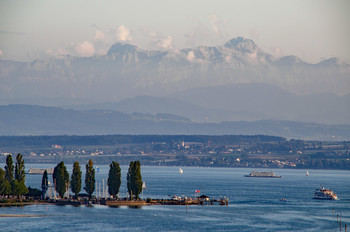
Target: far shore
{"x":22,"y":215}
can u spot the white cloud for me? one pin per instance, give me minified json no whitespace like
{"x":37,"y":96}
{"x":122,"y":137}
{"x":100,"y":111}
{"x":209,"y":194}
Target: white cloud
{"x":123,"y":33}
{"x":57,"y":53}
{"x":214,"y":21}
{"x":1,"y":53}
{"x":155,"y":40}
{"x":190,"y":56}
{"x":165,"y":43}
{"x":161,"y":41}
{"x":277,"y":52}
{"x":209,"y":33}
{"x":85,"y":49}
{"x":99,"y":36}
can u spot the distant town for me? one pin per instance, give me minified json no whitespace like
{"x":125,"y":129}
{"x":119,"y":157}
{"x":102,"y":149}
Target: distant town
{"x":257,"y":151}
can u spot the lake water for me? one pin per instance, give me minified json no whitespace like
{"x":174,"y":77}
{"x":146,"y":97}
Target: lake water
{"x":253,"y":203}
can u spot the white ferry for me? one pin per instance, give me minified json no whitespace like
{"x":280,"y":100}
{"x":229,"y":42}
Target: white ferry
{"x":40,"y":171}
{"x":323,"y":193}
{"x":269,"y":174}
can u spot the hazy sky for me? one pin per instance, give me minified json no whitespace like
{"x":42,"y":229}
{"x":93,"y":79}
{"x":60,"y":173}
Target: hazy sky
{"x":310,"y":29}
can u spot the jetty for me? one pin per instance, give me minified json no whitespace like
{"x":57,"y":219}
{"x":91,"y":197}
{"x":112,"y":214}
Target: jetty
{"x":202,"y":200}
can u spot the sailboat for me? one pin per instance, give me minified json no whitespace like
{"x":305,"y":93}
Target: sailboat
{"x":181,"y":171}
{"x":144,"y":185}
{"x":307,"y":173}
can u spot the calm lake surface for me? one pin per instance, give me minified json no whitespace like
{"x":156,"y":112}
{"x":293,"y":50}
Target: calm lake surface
{"x":253,"y":203}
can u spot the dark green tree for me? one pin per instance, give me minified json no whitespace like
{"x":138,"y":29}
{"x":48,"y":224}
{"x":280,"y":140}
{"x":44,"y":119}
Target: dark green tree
{"x":134,"y":179}
{"x":9,"y":168}
{"x":76,"y":179}
{"x":44,"y":183}
{"x":61,"y":179}
{"x":90,"y":178}
{"x":20,"y":168}
{"x":5,"y":187}
{"x":19,"y":187}
{"x":114,"y":179}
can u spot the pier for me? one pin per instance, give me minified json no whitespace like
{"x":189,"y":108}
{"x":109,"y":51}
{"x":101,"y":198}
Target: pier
{"x":124,"y":202}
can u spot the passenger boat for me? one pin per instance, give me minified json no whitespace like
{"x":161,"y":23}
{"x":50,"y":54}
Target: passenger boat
{"x":323,"y":193}
{"x":269,"y":174}
{"x":40,"y":171}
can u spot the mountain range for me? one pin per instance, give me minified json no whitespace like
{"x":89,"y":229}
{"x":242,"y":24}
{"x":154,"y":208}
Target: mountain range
{"x":236,"y":81}
{"x":128,"y":71}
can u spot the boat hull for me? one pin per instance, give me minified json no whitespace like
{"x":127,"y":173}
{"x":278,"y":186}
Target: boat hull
{"x":263,"y":176}
{"x":270,"y":174}
{"x":325,"y":198}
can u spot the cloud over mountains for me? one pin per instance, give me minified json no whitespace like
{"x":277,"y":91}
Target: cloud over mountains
{"x":127,"y":71}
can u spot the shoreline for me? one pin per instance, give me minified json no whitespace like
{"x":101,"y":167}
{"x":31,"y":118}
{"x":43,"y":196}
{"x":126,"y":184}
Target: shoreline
{"x":117,"y":203}
{"x":22,"y":215}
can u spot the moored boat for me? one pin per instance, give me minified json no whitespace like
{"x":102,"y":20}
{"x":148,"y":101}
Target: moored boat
{"x":323,"y":193}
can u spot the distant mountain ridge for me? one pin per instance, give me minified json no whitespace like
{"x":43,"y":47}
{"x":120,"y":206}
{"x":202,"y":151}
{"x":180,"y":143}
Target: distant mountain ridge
{"x":247,"y":102}
{"x":127,"y":71}
{"x":40,"y":120}
{"x":230,"y":82}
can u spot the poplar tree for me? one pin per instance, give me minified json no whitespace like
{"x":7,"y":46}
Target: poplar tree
{"x":76,"y":179}
{"x":134,"y":179}
{"x":19,"y":168}
{"x":44,"y":183}
{"x":61,"y":179}
{"x":5,"y":187}
{"x":19,"y":187}
{"x":114,"y":179}
{"x":90,"y":178}
{"x":9,"y":169}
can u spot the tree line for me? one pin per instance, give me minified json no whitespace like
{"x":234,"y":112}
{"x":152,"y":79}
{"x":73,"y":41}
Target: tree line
{"x":62,"y":182}
{"x":106,"y":140}
{"x":12,"y":179}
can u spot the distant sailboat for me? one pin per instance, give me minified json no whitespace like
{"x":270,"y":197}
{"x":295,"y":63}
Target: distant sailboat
{"x":181,"y":171}
{"x":144,"y":185}
{"x":307,"y":173}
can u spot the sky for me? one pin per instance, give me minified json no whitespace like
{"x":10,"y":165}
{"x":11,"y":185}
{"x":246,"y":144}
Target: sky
{"x":313,"y":30}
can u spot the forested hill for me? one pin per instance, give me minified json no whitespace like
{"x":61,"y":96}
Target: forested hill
{"x":17,"y":120}
{"x":111,"y":140}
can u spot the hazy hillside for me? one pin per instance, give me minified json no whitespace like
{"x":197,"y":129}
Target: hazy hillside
{"x":39,"y":120}
{"x":246,"y":102}
{"x":271,"y":102}
{"x":153,"y":105}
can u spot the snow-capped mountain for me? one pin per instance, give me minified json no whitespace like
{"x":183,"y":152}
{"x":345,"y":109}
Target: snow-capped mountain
{"x":128,"y":71}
